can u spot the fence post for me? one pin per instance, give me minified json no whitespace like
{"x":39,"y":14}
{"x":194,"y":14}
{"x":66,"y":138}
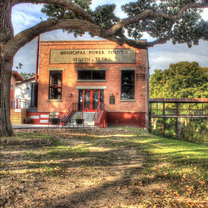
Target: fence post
{"x":160,"y":129}
{"x":183,"y":134}
{"x":178,"y":113}
{"x":178,"y":127}
{"x":164,"y":109}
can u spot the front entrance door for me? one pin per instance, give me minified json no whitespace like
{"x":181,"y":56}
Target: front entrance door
{"x":91,"y":100}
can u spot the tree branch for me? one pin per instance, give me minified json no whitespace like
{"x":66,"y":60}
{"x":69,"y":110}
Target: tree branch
{"x":62,"y":3}
{"x":22,"y":38}
{"x":112,"y":34}
{"x":150,"y":13}
{"x":140,"y":44}
{"x":153,"y":27}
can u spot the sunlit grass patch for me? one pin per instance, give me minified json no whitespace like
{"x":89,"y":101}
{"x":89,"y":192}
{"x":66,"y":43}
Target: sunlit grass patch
{"x":182,"y":165}
{"x":175,"y":148}
{"x":62,"y":152}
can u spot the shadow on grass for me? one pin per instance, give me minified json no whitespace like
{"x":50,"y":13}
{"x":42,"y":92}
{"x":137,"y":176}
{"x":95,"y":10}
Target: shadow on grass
{"x":102,"y":195}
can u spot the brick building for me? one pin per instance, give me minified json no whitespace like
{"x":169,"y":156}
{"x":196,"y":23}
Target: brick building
{"x":91,"y":73}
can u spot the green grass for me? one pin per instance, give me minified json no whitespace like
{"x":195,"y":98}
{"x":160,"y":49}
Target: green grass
{"x":183,"y":166}
{"x":27,"y":135}
{"x":176,"y":151}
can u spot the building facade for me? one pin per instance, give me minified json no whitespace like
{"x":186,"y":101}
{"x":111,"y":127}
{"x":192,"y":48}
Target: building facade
{"x":91,"y":73}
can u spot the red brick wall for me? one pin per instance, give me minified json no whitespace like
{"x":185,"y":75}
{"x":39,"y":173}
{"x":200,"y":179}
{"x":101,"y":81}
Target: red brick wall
{"x":69,"y":82}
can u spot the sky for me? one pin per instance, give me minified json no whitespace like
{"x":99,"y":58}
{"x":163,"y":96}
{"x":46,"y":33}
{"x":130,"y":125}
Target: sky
{"x":160,"y":56}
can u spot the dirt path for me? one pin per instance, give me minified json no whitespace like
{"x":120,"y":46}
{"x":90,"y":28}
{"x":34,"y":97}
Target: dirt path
{"x":94,"y":168}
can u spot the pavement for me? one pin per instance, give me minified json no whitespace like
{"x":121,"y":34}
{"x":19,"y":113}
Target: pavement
{"x":33,"y":126}
{"x":36,"y":126}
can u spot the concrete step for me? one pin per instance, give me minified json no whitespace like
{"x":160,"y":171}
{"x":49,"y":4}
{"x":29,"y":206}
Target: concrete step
{"x":87,"y":116}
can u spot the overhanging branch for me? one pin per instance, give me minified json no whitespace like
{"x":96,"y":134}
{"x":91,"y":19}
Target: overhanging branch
{"x":148,"y":13}
{"x":27,"y":35}
{"x":61,"y":3}
{"x":112,"y":34}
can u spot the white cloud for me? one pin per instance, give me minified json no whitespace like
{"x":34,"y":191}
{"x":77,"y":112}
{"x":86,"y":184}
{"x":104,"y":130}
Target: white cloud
{"x":161,"y":56}
{"x":25,"y":16}
{"x":119,"y":3}
{"x":26,"y":56}
{"x":60,"y":35}
{"x":205,"y":14}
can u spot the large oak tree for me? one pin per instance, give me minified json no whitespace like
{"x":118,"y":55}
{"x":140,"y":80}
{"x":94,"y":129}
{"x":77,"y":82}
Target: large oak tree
{"x":176,"y":20}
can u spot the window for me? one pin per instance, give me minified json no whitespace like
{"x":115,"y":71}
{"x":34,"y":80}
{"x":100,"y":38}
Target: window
{"x":127,"y":85}
{"x":91,"y":75}
{"x":55,"y":85}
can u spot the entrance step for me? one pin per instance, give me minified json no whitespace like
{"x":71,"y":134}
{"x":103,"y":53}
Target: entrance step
{"x":87,"y":116}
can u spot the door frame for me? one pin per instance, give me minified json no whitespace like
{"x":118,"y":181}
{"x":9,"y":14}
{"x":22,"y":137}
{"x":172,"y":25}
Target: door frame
{"x":91,"y":101}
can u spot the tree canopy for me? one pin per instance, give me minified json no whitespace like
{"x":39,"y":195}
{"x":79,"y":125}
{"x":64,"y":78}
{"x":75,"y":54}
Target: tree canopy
{"x":181,"y":80}
{"x":24,"y":75}
{"x":179,"y":21}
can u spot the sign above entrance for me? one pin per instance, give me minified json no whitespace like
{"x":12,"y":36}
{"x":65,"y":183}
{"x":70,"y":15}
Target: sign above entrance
{"x":92,"y":56}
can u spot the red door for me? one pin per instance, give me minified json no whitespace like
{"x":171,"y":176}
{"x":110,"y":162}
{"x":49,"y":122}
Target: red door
{"x":91,"y":100}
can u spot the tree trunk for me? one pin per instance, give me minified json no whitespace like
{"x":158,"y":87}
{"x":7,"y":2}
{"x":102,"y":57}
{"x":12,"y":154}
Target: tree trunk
{"x":6,"y":33}
{"x":6,"y":128}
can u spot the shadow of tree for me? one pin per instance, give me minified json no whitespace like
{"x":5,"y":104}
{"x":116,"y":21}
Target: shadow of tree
{"x":110,"y":170}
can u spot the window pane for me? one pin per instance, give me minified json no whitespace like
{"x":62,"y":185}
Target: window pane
{"x":102,"y":96}
{"x":55,"y":85}
{"x":55,"y":78}
{"x":91,"y":75}
{"x":84,"y":75}
{"x":127,"y":85}
{"x":80,"y":100}
{"x":87,"y":100}
{"x":128,"y":77}
{"x":95,"y":100}
{"x":98,"y":75}
{"x":55,"y":93}
{"x":127,"y":92}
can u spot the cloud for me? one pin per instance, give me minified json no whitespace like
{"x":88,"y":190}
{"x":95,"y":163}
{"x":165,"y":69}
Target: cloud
{"x":161,"y":56}
{"x":60,"y":35}
{"x":119,"y":3}
{"x":26,"y":56}
{"x":25,"y":16}
{"x":205,"y":14}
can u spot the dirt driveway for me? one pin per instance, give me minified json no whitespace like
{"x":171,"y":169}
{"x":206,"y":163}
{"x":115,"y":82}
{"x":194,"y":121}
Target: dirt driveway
{"x":72,"y":168}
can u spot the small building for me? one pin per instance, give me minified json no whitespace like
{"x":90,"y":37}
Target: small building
{"x":91,"y":74}
{"x":15,"y":78}
{"x":17,"y":115}
{"x":23,"y":91}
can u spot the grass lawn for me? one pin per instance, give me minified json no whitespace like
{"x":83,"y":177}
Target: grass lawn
{"x":112,"y":167}
{"x":182,"y":166}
